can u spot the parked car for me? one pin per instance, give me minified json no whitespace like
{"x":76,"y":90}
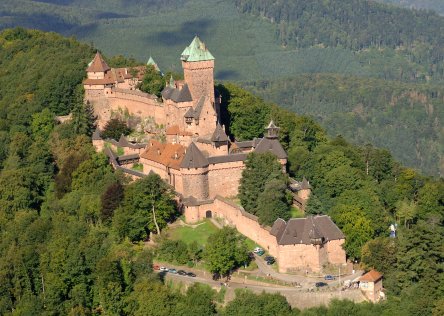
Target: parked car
{"x":163,"y":269}
{"x":174,"y":271}
{"x":329,"y":277}
{"x":258,"y":249}
{"x":270,"y":260}
{"x":191,"y":274}
{"x":181,"y":272}
{"x":321,"y":284}
{"x":156,"y":267}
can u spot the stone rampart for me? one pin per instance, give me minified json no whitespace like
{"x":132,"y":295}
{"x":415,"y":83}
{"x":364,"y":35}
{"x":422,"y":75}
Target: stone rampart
{"x":290,"y":257}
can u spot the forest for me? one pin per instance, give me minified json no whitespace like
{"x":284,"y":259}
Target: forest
{"x":403,"y":118}
{"x":436,"y":5}
{"x":72,"y":230}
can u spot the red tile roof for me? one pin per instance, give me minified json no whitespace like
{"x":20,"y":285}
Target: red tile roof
{"x":371,"y":276}
{"x":169,"y":155}
{"x":175,"y":130}
{"x":98,"y":64}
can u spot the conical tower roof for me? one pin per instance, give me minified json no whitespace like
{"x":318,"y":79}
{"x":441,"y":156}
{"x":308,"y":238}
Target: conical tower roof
{"x":196,"y":51}
{"x":194,"y":158}
{"x":98,"y":64}
{"x":219,"y":134}
{"x":151,"y":62}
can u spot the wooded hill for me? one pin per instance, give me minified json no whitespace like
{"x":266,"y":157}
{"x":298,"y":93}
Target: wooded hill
{"x":436,"y":5}
{"x":406,"y":119}
{"x":72,"y":230}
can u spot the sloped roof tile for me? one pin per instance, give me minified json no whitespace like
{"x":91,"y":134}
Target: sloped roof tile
{"x":194,"y":158}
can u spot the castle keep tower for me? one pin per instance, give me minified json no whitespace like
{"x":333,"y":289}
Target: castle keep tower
{"x":198,"y":70}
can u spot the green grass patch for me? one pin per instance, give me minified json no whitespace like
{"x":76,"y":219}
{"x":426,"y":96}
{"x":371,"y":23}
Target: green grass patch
{"x":296,"y":213}
{"x":188,"y":234}
{"x":137,"y":167}
{"x":120,"y":151}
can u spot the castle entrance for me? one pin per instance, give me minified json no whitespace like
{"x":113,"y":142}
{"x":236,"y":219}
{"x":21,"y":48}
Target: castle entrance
{"x":208,"y":214}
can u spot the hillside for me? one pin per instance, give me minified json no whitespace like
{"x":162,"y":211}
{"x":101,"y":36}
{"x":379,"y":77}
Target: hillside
{"x":73,"y":231}
{"x":436,"y":5}
{"x":270,"y":40}
{"x":407,"y":119}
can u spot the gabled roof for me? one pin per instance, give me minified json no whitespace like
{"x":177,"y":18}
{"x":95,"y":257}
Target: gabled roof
{"x":271,"y":145}
{"x":371,"y":276}
{"x":175,"y":130}
{"x":219,"y":134}
{"x":195,"y":112}
{"x":194,"y":158}
{"x":196,"y":51}
{"x":177,"y":95}
{"x":98,"y":64}
{"x":168,"y":155}
{"x":305,"y":230}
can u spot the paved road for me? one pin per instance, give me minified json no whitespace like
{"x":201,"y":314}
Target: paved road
{"x":303,"y":280}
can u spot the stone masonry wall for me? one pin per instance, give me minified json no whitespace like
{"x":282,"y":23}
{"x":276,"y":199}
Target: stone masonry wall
{"x":289,"y":257}
{"x":335,"y":252}
{"x":200,"y":78}
{"x":195,"y":184}
{"x":224,"y":178}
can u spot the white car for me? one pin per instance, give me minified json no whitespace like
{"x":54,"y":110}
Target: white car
{"x":164,"y":269}
{"x":258,"y":249}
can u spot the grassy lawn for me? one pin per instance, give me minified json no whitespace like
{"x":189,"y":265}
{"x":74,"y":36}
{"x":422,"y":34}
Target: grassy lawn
{"x":120,"y":151}
{"x":138,"y":167}
{"x":189,"y":234}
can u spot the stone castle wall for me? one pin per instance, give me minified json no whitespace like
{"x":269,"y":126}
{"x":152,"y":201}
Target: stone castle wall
{"x":289,"y":257}
{"x":224,"y":178}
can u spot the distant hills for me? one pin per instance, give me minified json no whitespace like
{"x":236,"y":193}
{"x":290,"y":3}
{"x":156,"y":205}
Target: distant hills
{"x":436,"y":5}
{"x":279,"y":43}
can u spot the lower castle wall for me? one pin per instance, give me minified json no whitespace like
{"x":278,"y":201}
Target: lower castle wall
{"x":298,"y":257}
{"x":224,"y":178}
{"x":335,"y":252}
{"x":289,"y":257}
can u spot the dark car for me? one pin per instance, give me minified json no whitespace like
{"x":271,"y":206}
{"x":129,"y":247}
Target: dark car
{"x":269,"y":260}
{"x":181,"y":272}
{"x":191,"y":274}
{"x":321,"y":284}
{"x":329,"y":277}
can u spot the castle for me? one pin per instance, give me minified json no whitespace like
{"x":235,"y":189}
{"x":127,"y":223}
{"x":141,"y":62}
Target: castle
{"x":198,"y":159}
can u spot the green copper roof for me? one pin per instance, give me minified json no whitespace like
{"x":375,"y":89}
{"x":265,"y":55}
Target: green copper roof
{"x":197,"y":51}
{"x":152,"y":63}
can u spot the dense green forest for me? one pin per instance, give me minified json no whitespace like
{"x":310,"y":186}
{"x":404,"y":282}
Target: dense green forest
{"x":436,"y":5}
{"x":72,"y":229}
{"x":359,"y":25}
{"x":406,"y":119}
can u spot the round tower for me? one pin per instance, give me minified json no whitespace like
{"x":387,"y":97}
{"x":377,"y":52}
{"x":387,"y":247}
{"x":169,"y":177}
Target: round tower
{"x":194,"y":169}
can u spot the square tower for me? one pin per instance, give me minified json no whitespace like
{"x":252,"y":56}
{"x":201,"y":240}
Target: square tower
{"x":198,"y":70}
